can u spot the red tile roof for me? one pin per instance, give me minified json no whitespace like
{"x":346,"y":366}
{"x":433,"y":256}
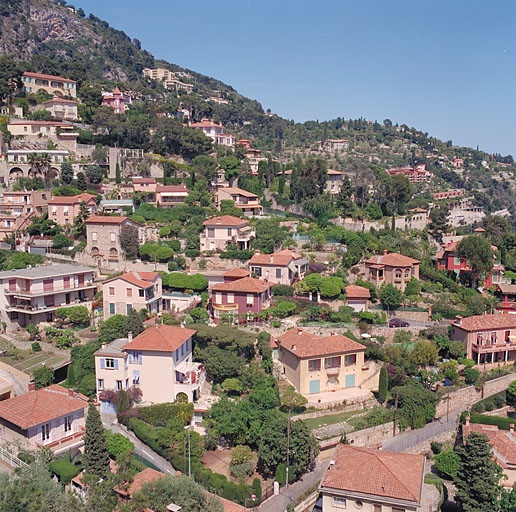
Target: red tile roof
{"x":139,"y":480}
{"x":140,"y":279}
{"x":41,"y":406}
{"x":205,"y":123}
{"x":357,"y":292}
{"x":105,"y":219}
{"x":161,"y":338}
{"x":392,"y":259}
{"x":244,"y":285}
{"x":226,"y":220}
{"x":305,"y":344}
{"x":236,"y":272}
{"x":333,"y":172}
{"x":144,"y":180}
{"x":378,"y":473}
{"x":281,"y":258}
{"x":486,"y":322}
{"x":71,"y":200}
{"x":42,"y":123}
{"x":238,"y":191}
{"x":48,"y":77}
{"x":60,"y":100}
{"x":172,"y":188}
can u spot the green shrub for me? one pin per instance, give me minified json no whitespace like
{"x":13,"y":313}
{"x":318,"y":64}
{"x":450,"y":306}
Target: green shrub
{"x":501,"y":423}
{"x":145,"y":433}
{"x":243,"y":470}
{"x":35,"y":347}
{"x":159,"y":415}
{"x":436,"y":447}
{"x":283,"y":290}
{"x":117,"y":444}
{"x":281,"y":474}
{"x":257,"y":491}
{"x":447,"y":463}
{"x":64,"y":470}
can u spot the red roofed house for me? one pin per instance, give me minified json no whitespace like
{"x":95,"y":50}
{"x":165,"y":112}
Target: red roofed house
{"x":132,"y":290}
{"x":215,"y":132}
{"x":53,"y":417}
{"x":224,"y":230}
{"x":61,"y":109}
{"x":118,"y":101}
{"x":502,"y":442}
{"x":158,"y":361}
{"x":240,"y":300}
{"x":139,"y":480}
{"x":391,"y":268}
{"x":170,"y":195}
{"x":373,"y":480}
{"x":317,"y":364}
{"x":418,"y":174}
{"x":487,"y":338}
{"x":103,"y":235}
{"x":357,"y":297}
{"x":51,"y":84}
{"x":146,"y":186}
{"x":246,"y":201}
{"x":64,"y":210}
{"x":282,"y":267}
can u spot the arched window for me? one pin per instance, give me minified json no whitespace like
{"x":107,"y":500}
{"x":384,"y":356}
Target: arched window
{"x":94,"y":251}
{"x":397,"y":273}
{"x":407,"y":272}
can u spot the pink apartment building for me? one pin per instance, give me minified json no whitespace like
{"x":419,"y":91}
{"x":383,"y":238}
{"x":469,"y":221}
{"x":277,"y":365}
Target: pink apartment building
{"x":226,"y":229}
{"x":239,"y":299}
{"x":132,"y":290}
{"x":159,"y":361}
{"x":64,"y":210}
{"x":52,"y":417}
{"x":32,"y":295}
{"x":282,"y":267}
{"x":19,"y":203}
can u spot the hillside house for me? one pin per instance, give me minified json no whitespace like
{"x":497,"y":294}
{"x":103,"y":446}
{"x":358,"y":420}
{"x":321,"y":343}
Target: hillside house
{"x":53,"y":85}
{"x":215,"y":131}
{"x":224,"y":230}
{"x":334,"y":181}
{"x":239,"y":300}
{"x":117,"y":100}
{"x":61,"y":108}
{"x":246,"y":201}
{"x":132,"y":290}
{"x":418,"y":174}
{"x":51,"y":417}
{"x":282,"y":267}
{"x":32,"y":295}
{"x":168,"y":196}
{"x":159,"y":361}
{"x":64,"y":210}
{"x":357,"y":297}
{"x":393,"y":268}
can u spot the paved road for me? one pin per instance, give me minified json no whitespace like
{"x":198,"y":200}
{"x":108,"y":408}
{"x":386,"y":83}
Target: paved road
{"x":139,"y":448}
{"x":279,"y":503}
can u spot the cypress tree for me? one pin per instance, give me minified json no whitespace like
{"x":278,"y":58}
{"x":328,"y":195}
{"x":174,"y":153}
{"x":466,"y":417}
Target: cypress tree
{"x":118,"y":176}
{"x":70,"y":377}
{"x":383,"y":385}
{"x":96,"y":456}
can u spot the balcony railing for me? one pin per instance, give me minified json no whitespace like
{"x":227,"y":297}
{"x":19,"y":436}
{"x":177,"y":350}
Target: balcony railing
{"x":64,"y":441}
{"x":32,"y":309}
{"x":37,"y":293}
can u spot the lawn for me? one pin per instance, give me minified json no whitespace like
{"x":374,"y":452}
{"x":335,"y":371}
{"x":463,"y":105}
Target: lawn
{"x":331,"y":419}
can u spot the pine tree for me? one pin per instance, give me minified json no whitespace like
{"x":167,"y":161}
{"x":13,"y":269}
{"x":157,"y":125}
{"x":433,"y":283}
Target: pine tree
{"x":478,"y":476}
{"x":81,"y":181}
{"x":383,"y":386}
{"x":343,"y":199}
{"x":118,"y":176}
{"x":96,"y":457}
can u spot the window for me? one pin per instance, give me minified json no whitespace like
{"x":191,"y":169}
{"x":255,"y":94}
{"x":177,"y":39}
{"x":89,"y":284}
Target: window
{"x":278,"y":273}
{"x":118,"y":385}
{"x":407,"y":273}
{"x":111,"y":290}
{"x":314,"y":365}
{"x":68,"y":423}
{"x":94,"y":236}
{"x":135,"y":356}
{"x":100,"y":384}
{"x":398,"y":509}
{"x":230,"y":298}
{"x":493,"y":337}
{"x":141,"y":293}
{"x":250,"y":299}
{"x":112,"y":237}
{"x":339,"y":502}
{"x":129,"y":308}
{"x":332,"y":362}
{"x":397,"y":273}
{"x":110,"y":363}
{"x":218,"y":298}
{"x":377,"y":508}
{"x":111,"y":308}
{"x":358,"y":504}
{"x":350,"y":360}
{"x":129,"y":292}
{"x":230,"y":232}
{"x":257,"y":271}
{"x":507,"y":336}
{"x":45,"y":431}
{"x":136,"y":376}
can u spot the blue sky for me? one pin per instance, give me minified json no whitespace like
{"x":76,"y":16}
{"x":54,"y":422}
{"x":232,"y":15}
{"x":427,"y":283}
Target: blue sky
{"x":444,"y":67}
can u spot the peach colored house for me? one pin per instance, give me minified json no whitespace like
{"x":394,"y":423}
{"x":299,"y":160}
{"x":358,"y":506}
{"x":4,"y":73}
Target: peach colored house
{"x":159,"y":361}
{"x":503,"y":443}
{"x":18,"y":203}
{"x":56,"y":86}
{"x":317,"y":364}
{"x":391,"y":267}
{"x":146,"y":186}
{"x":53,"y":417}
{"x":357,"y":297}
{"x":282,"y":267}
{"x":62,"y":109}
{"x":168,"y":196}
{"x":246,"y":201}
{"x":375,"y":481}
{"x":64,"y":210}
{"x":487,"y":338}
{"x":132,"y":290}
{"x":226,"y":229}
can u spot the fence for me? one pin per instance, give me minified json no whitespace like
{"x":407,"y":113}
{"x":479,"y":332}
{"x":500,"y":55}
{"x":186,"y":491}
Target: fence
{"x":12,"y":460}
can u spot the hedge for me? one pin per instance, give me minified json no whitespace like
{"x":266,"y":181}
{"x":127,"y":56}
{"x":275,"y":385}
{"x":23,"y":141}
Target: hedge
{"x":490,"y":403}
{"x":160,"y":414}
{"x":145,"y":433}
{"x":283,"y":290}
{"x":501,"y":423}
{"x":64,"y":470}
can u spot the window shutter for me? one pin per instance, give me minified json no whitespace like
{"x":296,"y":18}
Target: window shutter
{"x":64,"y":425}
{"x":102,"y":363}
{"x":116,"y":364}
{"x":130,"y":357}
{"x":40,"y":435}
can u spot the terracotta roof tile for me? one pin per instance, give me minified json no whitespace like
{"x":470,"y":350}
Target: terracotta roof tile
{"x":238,"y":191}
{"x":392,"y":259}
{"x":486,"y":322}
{"x":236,"y":272}
{"x":105,"y":219}
{"x":172,"y":188}
{"x":281,"y":258}
{"x":333,"y":172}
{"x":140,"y":279}
{"x":70,"y":200}
{"x":48,"y":77}
{"x":41,"y":406}
{"x":161,"y":338}
{"x":144,"y":180}
{"x":139,"y":480}
{"x":42,"y":123}
{"x":244,"y":285}
{"x":357,"y":292}
{"x":226,"y":220}
{"x":379,"y":473}
{"x":305,"y":344}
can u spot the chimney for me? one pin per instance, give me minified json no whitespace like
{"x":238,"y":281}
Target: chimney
{"x":257,"y":251}
{"x":458,"y":320}
{"x":130,"y":336}
{"x":70,"y":392}
{"x":467,"y":420}
{"x":32,"y":386}
{"x":103,"y":346}
{"x":385,"y":252}
{"x":293,"y":348}
{"x":299,"y":330}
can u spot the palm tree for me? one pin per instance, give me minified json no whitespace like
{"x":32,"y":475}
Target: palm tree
{"x":44,"y":162}
{"x":34,"y":160}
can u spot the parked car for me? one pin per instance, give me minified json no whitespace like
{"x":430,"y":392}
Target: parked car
{"x":398,"y":322}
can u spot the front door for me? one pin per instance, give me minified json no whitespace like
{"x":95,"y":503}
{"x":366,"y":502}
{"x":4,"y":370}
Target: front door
{"x":350,"y":381}
{"x":315,"y":386}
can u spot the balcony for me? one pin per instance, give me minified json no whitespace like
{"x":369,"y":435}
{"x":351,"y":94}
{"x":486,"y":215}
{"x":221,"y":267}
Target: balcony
{"x":225,"y":307}
{"x":65,"y":443}
{"x":333,"y":371}
{"x":40,"y":293}
{"x":35,"y":310}
{"x":494,"y":347}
